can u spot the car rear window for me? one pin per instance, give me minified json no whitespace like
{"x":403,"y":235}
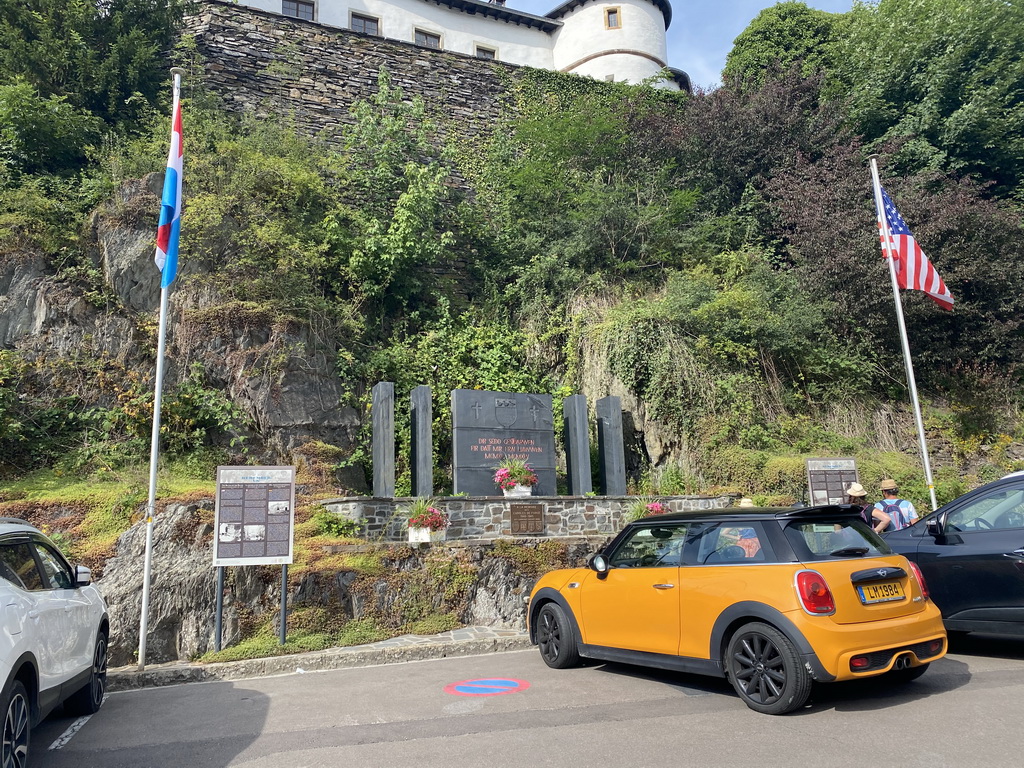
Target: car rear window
{"x":826,"y":540}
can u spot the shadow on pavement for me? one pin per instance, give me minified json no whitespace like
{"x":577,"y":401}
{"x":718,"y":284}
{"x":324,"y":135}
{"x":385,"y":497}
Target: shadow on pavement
{"x":157,"y":727}
{"x":995,"y":646}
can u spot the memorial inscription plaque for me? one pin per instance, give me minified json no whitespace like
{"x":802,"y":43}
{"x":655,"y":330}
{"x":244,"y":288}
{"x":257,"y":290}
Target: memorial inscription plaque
{"x":527,"y":519}
{"x":490,"y":426}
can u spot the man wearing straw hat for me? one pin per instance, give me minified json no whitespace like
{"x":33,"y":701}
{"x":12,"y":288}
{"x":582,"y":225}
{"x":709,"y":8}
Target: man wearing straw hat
{"x":872,"y":515}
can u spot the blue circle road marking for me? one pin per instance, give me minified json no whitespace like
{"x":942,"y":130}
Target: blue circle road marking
{"x":493,"y":686}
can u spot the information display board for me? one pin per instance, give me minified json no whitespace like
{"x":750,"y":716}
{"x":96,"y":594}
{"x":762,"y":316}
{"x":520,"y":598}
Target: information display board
{"x":255,"y":516}
{"x":828,"y":479}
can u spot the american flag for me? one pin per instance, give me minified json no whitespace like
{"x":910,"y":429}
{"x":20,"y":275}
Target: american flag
{"x":166,"y":257}
{"x":913,"y":270}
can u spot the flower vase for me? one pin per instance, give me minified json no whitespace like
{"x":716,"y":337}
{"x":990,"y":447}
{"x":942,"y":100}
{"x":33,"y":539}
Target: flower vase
{"x":424,"y":535}
{"x":518,"y":490}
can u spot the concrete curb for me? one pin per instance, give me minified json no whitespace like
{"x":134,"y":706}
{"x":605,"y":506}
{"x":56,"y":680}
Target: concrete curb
{"x":130,"y":678}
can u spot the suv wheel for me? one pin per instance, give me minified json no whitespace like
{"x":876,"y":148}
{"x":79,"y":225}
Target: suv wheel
{"x":16,"y":726}
{"x":555,"y":637}
{"x":766,"y":670}
{"x":87,"y":700}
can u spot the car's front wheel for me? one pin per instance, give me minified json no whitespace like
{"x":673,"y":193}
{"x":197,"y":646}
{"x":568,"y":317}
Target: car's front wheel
{"x":17,"y":728}
{"x":766,"y":670}
{"x":87,"y":699}
{"x":555,"y":637}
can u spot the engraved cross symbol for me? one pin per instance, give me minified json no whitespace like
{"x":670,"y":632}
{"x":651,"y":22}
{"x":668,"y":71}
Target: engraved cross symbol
{"x":534,"y":410}
{"x":476,"y":408}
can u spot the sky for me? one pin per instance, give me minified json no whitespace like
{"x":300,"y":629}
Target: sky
{"x":702,"y":31}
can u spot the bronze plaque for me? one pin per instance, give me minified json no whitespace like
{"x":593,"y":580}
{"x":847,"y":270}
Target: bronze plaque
{"x":527,"y":519}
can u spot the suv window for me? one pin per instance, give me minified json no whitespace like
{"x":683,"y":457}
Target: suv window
{"x":56,"y":572}
{"x":824,"y":540}
{"x":999,"y":510}
{"x":730,"y":542}
{"x":651,"y":547}
{"x":18,"y":566}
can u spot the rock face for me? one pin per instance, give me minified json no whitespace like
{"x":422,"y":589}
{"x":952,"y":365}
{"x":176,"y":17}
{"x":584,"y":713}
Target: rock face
{"x":479,"y":583}
{"x":281,"y":375}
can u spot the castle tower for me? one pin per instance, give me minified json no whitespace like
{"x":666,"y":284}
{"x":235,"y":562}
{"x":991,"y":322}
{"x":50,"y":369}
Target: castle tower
{"x":622,"y":40}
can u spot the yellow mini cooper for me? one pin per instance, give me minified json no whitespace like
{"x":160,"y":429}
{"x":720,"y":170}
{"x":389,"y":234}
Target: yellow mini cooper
{"x":771,"y":599}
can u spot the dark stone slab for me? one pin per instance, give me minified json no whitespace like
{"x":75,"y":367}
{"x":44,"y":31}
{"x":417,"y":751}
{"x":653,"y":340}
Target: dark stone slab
{"x":610,"y":447}
{"x":422,"y":449}
{"x":383,"y":416}
{"x":577,"y":445}
{"x":488,"y":426}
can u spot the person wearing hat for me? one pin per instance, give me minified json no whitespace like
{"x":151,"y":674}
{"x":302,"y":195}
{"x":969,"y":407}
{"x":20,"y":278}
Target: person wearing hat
{"x":900,"y":511}
{"x":873,"y":516}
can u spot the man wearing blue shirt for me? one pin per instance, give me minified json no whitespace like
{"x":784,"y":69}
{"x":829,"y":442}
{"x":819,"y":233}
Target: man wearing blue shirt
{"x":900,"y":511}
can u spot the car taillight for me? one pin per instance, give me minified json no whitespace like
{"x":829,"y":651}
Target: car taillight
{"x":920,"y":579}
{"x":814,"y":593}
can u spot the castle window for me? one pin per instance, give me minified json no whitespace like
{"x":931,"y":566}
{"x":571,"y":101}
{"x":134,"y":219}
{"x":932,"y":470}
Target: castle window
{"x":297,"y":9}
{"x":612,"y":18}
{"x":428,"y":39}
{"x":486,"y":53}
{"x":365,"y":24}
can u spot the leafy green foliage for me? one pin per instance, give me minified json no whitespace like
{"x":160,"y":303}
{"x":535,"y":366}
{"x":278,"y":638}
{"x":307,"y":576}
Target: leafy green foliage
{"x":786,"y":34}
{"x":947,"y":76}
{"x":105,"y":58}
{"x":42,"y":134}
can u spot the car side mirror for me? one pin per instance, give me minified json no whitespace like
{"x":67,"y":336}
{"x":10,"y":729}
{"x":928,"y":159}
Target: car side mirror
{"x":934,"y":527}
{"x":83,"y":576}
{"x":599,"y":564}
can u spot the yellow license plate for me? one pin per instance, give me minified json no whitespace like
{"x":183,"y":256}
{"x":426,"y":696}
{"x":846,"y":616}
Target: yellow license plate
{"x":880,"y":593}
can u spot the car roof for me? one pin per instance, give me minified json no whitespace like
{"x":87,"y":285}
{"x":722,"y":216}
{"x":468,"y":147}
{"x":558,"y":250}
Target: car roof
{"x":16,"y":525}
{"x":742,"y":515}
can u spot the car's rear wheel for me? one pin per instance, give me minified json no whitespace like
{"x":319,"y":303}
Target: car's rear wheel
{"x":17,"y":728}
{"x":766,"y":670}
{"x":87,"y":700}
{"x":907,"y":675}
{"x":555,"y":637}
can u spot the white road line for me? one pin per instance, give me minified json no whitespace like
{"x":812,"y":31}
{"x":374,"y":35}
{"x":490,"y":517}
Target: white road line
{"x":75,"y":727}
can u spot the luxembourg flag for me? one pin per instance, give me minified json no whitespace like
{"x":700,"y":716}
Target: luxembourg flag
{"x":170,"y":206}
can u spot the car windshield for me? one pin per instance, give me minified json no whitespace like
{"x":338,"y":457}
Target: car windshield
{"x":827,"y":540}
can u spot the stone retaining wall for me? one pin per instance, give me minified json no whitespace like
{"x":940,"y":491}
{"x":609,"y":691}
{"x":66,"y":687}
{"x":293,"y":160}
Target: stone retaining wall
{"x":489,"y":517}
{"x":267,"y":63}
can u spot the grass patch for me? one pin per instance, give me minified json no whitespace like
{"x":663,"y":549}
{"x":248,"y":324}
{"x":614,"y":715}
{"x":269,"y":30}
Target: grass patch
{"x":301,"y":640}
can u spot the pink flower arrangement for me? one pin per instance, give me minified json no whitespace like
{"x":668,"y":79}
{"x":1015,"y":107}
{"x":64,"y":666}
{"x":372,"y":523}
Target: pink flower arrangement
{"x":431,"y":518}
{"x":656,"y":508}
{"x":513,"y":472}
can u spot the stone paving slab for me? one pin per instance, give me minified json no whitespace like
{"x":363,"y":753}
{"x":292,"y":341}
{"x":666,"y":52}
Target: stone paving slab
{"x":467,"y":641}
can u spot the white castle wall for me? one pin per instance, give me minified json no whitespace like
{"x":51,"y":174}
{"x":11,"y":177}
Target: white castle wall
{"x":577,"y":41}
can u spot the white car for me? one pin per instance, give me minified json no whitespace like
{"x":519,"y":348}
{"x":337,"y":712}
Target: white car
{"x":53,"y":637}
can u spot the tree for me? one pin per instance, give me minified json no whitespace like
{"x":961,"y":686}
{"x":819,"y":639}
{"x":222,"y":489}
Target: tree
{"x":101,"y":56}
{"x":785,"y":35}
{"x":947,"y":76}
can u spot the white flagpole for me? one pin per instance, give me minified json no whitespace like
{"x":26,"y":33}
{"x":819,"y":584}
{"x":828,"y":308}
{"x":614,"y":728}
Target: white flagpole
{"x":886,"y":239}
{"x":154,"y":443}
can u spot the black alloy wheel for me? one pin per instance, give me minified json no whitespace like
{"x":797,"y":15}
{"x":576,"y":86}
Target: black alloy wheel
{"x":17,"y":730}
{"x":555,"y":638}
{"x":88,"y":699}
{"x":766,"y":670}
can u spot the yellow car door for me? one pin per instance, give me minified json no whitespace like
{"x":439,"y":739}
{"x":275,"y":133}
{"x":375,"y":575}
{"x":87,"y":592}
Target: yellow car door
{"x":635,"y":605}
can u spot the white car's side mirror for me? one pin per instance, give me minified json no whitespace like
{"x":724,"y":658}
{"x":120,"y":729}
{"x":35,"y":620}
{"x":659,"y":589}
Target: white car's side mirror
{"x":83,"y":576}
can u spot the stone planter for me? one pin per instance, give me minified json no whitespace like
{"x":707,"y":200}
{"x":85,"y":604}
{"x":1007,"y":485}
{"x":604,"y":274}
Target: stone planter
{"x":518,"y":490}
{"x":424,"y":535}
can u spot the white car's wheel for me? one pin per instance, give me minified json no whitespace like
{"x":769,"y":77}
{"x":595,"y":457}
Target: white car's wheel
{"x":17,"y":728}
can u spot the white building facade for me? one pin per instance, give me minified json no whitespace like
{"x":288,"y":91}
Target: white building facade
{"x":620,"y":40}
